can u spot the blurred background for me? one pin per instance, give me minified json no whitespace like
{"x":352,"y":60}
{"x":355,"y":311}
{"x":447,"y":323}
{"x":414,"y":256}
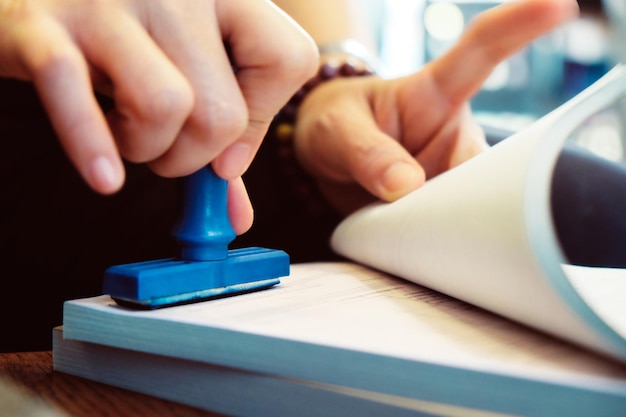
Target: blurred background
{"x":529,"y":84}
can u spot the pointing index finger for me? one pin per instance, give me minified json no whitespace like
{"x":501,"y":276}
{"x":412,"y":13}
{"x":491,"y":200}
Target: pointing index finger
{"x":493,"y":36}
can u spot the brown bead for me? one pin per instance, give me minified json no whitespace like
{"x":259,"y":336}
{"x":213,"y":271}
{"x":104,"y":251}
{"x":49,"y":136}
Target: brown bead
{"x":284,"y":131}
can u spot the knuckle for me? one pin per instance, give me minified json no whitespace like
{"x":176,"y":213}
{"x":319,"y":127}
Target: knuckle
{"x":296,"y":61}
{"x":52,"y":61}
{"x":223,"y":119}
{"x":45,"y":53}
{"x":167,"y":104}
{"x":328,"y":123}
{"x":148,"y":125}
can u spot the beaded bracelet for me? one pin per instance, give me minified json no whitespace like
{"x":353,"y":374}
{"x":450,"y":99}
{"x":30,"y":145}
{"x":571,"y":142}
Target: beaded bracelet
{"x":281,"y":131}
{"x":328,"y":71}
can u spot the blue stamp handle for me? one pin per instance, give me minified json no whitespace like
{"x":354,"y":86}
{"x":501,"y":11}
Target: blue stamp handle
{"x":204,"y":230}
{"x":206,"y":268}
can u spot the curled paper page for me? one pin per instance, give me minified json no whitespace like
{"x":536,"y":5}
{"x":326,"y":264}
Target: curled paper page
{"x":483,"y":231}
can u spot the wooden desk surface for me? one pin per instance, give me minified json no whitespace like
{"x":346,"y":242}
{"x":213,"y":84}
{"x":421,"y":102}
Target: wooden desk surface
{"x":79,"y":397}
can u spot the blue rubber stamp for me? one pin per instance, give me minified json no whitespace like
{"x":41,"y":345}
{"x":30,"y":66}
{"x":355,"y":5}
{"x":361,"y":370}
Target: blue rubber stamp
{"x":206,"y":267}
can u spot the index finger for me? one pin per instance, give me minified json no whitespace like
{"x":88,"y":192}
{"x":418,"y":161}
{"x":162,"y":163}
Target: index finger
{"x":273,"y":57}
{"x":60,"y":74}
{"x":493,"y":36}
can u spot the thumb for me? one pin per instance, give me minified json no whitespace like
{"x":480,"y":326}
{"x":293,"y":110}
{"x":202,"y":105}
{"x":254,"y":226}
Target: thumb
{"x":354,"y":149}
{"x":383,"y":167}
{"x":240,"y":211}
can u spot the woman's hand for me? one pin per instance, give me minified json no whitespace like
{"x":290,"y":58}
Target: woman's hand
{"x":193,"y":82}
{"x":368,"y":137}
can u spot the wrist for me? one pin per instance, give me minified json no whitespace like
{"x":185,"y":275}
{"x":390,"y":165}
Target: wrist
{"x":345,"y":58}
{"x":339,"y":60}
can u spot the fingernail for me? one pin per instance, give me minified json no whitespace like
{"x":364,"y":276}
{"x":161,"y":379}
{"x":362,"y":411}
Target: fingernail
{"x":400,"y":179}
{"x":235,"y":160}
{"x":102,"y":176}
